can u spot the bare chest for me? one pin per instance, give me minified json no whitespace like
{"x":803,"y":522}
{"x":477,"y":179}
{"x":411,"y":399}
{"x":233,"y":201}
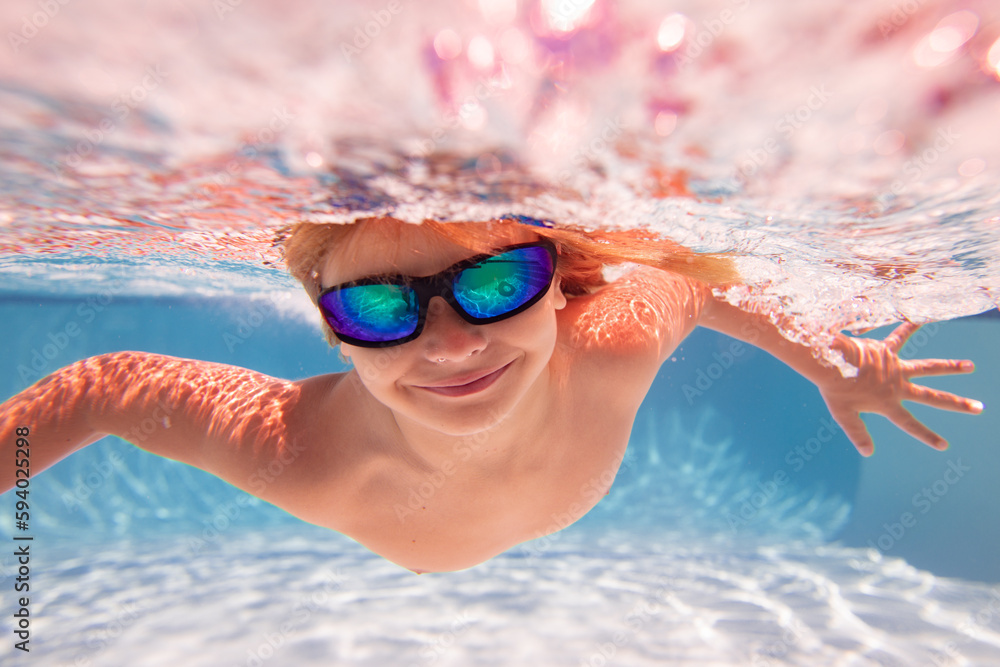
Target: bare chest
{"x":457,"y":515}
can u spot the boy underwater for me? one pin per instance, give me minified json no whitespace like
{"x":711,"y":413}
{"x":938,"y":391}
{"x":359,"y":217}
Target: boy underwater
{"x":492,"y":355}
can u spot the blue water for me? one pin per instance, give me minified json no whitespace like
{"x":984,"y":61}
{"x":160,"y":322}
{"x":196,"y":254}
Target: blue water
{"x":735,"y":515}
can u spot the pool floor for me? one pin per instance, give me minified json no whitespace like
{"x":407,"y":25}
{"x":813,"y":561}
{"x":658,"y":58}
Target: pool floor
{"x":305,"y":597}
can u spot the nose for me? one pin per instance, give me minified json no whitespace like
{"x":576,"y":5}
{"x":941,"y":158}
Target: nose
{"x":447,"y":337}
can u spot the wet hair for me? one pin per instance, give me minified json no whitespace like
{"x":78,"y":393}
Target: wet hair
{"x":583,"y":254}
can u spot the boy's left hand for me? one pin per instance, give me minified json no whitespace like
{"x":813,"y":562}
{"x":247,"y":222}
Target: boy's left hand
{"x":883,"y":383}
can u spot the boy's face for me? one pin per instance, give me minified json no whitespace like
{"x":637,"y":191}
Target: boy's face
{"x":457,"y":378}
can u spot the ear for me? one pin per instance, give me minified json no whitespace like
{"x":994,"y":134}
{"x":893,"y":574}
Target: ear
{"x":345,"y":356}
{"x":559,"y":299}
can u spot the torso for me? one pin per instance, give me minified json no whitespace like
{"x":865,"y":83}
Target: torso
{"x":447,"y":519}
{"x":453,"y":518}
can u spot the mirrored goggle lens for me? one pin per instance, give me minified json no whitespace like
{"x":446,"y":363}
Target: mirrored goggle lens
{"x":375,"y":313}
{"x":501,"y":284}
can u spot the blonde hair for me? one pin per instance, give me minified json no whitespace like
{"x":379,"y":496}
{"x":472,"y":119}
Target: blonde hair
{"x":582,"y":254}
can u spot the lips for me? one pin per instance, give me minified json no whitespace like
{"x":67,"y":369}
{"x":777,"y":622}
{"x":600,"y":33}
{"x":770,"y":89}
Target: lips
{"x":466,"y":384}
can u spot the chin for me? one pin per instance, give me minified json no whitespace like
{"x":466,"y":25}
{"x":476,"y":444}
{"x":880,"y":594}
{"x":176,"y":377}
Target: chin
{"x":472,"y":423}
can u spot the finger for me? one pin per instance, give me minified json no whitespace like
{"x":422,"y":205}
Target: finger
{"x":942,"y":400}
{"x":929,"y":367}
{"x":856,"y":431}
{"x":900,"y":335}
{"x":901,"y":417}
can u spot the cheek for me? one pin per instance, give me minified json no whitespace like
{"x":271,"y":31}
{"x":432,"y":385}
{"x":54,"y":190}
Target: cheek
{"x":533,"y":329}
{"x":377,"y":367}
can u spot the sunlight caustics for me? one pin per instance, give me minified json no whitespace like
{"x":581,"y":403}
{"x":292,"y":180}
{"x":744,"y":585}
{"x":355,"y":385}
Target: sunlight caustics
{"x":481,"y":53}
{"x":314,"y":159}
{"x":566,"y":15}
{"x":993,"y":59}
{"x":889,"y":142}
{"x":953,"y":31}
{"x":447,"y":44}
{"x":713,"y":605}
{"x":942,"y":44}
{"x":160,"y":388}
{"x":665,"y":123}
{"x":514,"y":46}
{"x":972,"y":167}
{"x":671,"y":33}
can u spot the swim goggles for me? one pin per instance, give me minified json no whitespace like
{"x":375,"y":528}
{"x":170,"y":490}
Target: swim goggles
{"x":383,"y":311}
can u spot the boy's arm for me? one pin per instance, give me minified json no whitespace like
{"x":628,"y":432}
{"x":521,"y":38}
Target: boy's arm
{"x":882,"y":382}
{"x":648,"y":312}
{"x":229,"y":421}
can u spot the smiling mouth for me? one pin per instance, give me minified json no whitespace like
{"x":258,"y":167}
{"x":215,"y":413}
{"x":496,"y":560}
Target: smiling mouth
{"x":471,"y":387}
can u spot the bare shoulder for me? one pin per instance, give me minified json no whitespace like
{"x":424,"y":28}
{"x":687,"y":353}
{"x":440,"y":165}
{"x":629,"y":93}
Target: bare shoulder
{"x":320,"y":387}
{"x":286,"y":446}
{"x":316,"y":425}
{"x":645,"y":308}
{"x":618,"y":336}
{"x":342,"y":458}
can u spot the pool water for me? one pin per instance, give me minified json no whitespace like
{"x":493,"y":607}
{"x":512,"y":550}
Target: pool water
{"x":846,"y":154}
{"x":698,"y":554}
